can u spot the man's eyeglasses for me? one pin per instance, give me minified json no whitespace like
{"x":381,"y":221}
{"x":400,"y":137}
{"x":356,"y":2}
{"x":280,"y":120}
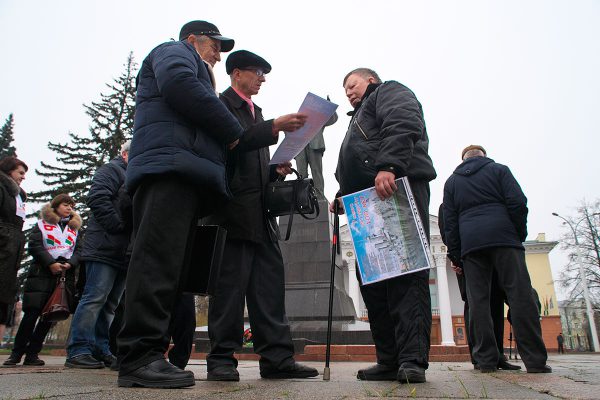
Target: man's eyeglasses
{"x":258,"y":72}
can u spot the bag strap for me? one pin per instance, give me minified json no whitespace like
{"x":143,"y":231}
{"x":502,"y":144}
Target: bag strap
{"x":291,"y":218}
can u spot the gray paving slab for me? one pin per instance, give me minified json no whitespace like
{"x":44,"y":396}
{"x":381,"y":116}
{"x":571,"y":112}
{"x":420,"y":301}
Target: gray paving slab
{"x":574,"y":377}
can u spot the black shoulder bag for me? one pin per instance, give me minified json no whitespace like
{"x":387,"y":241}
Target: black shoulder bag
{"x":291,"y":197}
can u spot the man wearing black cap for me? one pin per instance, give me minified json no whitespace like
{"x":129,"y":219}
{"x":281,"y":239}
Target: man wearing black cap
{"x":176,"y":173}
{"x":252,"y":266}
{"x":485,"y":225}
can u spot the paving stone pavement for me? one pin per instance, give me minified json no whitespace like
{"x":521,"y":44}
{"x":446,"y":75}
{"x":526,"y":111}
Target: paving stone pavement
{"x":574,"y":377}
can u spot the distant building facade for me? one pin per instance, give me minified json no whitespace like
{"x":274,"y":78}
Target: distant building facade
{"x":576,"y":329}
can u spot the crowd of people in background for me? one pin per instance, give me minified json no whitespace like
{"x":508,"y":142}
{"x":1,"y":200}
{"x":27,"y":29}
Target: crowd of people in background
{"x":197,"y":155}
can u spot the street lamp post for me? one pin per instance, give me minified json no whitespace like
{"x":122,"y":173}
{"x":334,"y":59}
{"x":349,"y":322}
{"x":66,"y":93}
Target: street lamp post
{"x":583,"y":279}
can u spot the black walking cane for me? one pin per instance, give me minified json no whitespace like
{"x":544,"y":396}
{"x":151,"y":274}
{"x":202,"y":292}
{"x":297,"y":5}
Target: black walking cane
{"x":335,"y":248}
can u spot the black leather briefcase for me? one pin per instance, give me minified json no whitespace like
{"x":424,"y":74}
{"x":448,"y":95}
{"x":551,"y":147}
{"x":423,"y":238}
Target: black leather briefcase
{"x":205,"y":255}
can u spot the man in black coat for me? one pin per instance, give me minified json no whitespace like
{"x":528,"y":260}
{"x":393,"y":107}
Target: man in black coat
{"x":104,"y":247}
{"x":497,"y":298}
{"x":387,"y":139}
{"x":252,"y":267}
{"x":485,"y":223}
{"x":176,"y":173}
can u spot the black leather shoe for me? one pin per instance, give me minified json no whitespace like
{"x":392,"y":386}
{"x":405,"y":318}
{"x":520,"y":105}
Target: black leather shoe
{"x":378,"y":372}
{"x":33,"y":360}
{"x":223,"y":373}
{"x":115,"y":365}
{"x":475,"y":366}
{"x":107,"y":359}
{"x":487,"y":370}
{"x":505,"y":365}
{"x":158,"y":374}
{"x":410,"y":373}
{"x":546,"y":369}
{"x":292,"y":371}
{"x":83,"y":361}
{"x":12,"y":361}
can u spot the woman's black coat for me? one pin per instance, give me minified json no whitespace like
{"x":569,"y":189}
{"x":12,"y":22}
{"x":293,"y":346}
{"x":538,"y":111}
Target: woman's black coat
{"x":12,"y":240}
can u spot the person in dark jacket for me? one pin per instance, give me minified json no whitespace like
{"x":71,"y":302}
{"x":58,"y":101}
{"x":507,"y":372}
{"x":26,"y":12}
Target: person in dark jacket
{"x":252,"y":267}
{"x":497,"y":299}
{"x":176,"y":174}
{"x":485,"y":223}
{"x":55,"y":248}
{"x":12,"y":239}
{"x":106,"y":240}
{"x":560,"y":340}
{"x":387,"y":139}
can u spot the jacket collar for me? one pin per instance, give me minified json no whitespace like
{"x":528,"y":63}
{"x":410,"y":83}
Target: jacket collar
{"x":236,"y":100}
{"x":472,"y":165}
{"x":370,"y":89}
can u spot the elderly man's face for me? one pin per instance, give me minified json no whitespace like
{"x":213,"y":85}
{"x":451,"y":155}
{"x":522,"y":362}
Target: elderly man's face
{"x":209,"y":49}
{"x":249,"y":80}
{"x":355,"y":88}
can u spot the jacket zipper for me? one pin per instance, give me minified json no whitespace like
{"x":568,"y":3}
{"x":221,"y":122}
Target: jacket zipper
{"x":361,"y":129}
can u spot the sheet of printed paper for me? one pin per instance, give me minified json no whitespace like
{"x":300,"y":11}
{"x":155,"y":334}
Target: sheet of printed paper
{"x":388,"y":236}
{"x":319,"y":111}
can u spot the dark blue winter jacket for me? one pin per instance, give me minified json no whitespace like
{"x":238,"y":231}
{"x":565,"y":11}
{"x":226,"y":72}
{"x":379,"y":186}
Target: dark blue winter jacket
{"x":106,"y":237}
{"x":181,"y":126}
{"x":484,"y":207}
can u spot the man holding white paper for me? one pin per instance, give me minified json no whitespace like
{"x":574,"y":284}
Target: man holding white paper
{"x":252,"y":267}
{"x":386,"y":140}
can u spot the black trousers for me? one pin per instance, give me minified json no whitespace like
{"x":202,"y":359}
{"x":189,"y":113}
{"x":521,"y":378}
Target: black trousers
{"x":165,"y":210}
{"x":509,"y":266}
{"x":181,"y":329}
{"x":497,"y":298}
{"x":253,"y":272}
{"x":30,"y":336}
{"x":400,"y":308}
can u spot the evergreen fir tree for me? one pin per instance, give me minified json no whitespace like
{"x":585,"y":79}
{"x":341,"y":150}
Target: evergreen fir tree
{"x":6,"y":138}
{"x":78,"y":159}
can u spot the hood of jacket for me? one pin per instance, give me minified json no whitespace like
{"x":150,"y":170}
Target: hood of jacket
{"x":49,"y":215}
{"x":11,"y":186}
{"x":472,"y":165}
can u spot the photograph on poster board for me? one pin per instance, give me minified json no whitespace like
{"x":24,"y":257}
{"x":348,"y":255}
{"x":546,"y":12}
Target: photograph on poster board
{"x":388,"y":236}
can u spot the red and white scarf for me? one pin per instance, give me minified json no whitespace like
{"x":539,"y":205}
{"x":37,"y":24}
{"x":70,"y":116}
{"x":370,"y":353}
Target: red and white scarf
{"x":56,"y":241}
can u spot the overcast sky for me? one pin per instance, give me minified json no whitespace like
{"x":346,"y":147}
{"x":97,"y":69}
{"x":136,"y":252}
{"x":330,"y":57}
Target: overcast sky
{"x":521,"y":78}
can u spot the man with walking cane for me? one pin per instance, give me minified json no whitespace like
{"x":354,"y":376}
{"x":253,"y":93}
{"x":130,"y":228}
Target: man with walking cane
{"x":386,"y":140}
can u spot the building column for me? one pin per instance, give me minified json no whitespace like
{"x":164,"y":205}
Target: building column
{"x":444,"y":305}
{"x":353,"y":289}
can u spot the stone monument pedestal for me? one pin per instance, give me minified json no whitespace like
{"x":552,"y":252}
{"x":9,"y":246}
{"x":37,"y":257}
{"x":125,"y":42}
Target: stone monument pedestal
{"x":307,"y":260}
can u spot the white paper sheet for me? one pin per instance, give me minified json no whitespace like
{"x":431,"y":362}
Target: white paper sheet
{"x":318,"y":111}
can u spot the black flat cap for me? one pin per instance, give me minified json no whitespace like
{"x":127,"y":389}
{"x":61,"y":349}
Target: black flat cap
{"x":242,"y":59}
{"x":206,"y":29}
